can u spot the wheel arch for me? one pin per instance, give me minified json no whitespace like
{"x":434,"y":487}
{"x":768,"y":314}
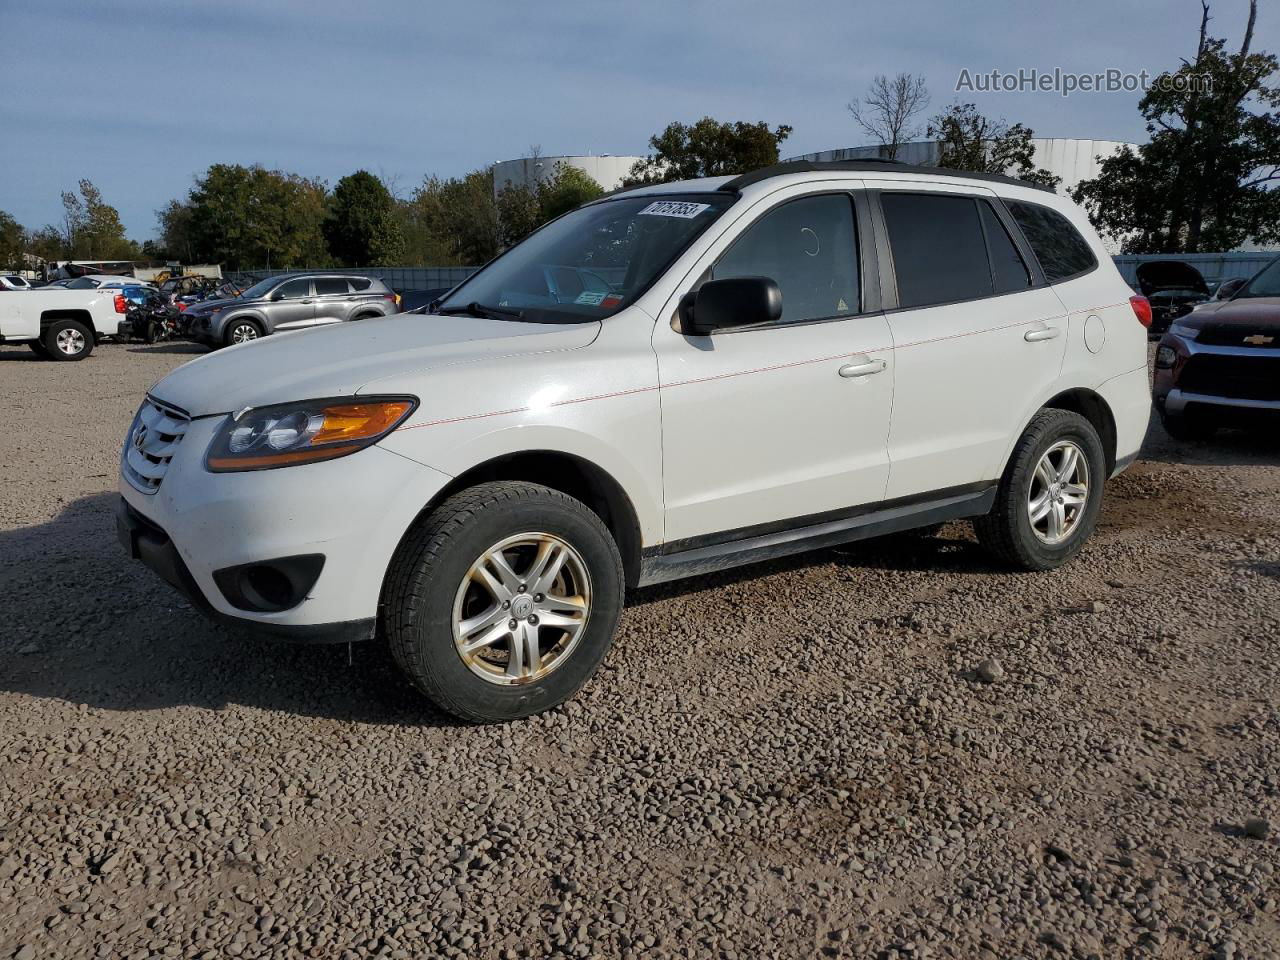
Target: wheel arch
{"x":1090,"y":405}
{"x":49,"y":317}
{"x":572,"y":475}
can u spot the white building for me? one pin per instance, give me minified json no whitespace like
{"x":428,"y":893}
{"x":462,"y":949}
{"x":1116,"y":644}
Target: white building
{"x":1072,"y":160}
{"x":606,"y":170}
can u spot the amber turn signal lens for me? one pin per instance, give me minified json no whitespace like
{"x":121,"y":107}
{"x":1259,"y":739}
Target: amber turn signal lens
{"x":358,"y":421}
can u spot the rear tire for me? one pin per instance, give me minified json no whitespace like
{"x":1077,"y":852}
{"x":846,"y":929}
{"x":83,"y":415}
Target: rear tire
{"x":68,"y":340}
{"x":443,"y":611}
{"x":1050,"y":495}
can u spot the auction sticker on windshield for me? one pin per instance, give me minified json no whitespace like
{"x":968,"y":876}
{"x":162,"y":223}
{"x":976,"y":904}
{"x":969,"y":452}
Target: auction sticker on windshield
{"x":674,"y":208}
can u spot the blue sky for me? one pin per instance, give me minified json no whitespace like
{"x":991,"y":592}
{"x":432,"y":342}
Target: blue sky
{"x":141,"y":96}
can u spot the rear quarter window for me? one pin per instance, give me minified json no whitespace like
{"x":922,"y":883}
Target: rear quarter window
{"x":359,"y":283}
{"x":1062,"y":252}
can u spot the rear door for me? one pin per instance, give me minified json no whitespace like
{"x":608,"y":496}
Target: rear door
{"x":333,"y":299}
{"x":977,"y":334}
{"x":292,"y":306}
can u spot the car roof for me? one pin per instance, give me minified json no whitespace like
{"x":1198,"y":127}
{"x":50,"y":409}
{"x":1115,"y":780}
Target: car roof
{"x":801,"y":170}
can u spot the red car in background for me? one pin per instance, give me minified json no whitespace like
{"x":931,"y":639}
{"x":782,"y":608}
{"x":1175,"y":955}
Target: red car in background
{"x":1219,"y":365}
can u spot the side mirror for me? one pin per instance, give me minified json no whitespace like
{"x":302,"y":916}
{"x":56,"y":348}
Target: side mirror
{"x":733,"y":302}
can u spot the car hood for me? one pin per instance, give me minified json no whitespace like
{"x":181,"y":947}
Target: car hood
{"x":208,"y":306}
{"x":1157,"y":275}
{"x":338,"y":360}
{"x":1251,"y":312}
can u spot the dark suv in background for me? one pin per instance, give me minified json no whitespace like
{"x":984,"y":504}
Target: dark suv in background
{"x":1219,"y":365}
{"x":290,"y":302}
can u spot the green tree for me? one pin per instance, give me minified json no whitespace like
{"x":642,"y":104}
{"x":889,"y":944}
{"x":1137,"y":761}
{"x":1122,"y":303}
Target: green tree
{"x":91,"y":227}
{"x":566,"y":188}
{"x":454,"y":222}
{"x":46,"y":244}
{"x":969,"y":141}
{"x":522,"y":209}
{"x":13,"y":243}
{"x":708,"y":148}
{"x":246,"y":217}
{"x":362,"y":228}
{"x":1206,"y":180}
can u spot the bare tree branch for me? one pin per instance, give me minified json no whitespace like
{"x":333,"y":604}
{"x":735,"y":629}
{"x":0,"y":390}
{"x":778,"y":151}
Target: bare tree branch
{"x":887,"y":111}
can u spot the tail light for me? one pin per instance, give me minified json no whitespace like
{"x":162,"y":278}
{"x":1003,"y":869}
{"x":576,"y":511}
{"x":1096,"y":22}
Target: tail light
{"x":182,"y":308}
{"x":393,"y":297}
{"x":1141,"y":310}
{"x":122,"y":305}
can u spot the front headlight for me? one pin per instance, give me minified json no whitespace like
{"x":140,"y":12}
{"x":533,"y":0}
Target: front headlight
{"x":1166,"y":357}
{"x":304,"y":432}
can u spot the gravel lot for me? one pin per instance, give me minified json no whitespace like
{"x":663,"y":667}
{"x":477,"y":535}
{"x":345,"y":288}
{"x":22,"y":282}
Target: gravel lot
{"x":801,"y":759}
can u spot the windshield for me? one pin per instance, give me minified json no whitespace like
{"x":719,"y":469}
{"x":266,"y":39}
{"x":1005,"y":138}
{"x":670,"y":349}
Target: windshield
{"x":261,"y":288}
{"x":592,"y":262}
{"x":1265,"y":283}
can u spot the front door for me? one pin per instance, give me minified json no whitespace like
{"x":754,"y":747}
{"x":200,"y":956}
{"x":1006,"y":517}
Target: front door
{"x":789,"y":420}
{"x":292,"y":306}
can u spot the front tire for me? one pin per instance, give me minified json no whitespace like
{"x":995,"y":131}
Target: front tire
{"x":1050,"y":495}
{"x":503,"y":601}
{"x":68,"y":340}
{"x":242,"y":331}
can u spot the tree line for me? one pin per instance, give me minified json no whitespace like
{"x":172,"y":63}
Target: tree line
{"x":1205,"y":180}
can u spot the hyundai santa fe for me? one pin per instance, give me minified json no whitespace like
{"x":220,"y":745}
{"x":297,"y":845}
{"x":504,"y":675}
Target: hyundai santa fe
{"x":665,"y":382}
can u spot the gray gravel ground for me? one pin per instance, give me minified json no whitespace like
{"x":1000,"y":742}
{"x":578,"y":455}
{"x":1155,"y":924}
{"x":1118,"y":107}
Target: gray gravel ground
{"x":813,"y":757}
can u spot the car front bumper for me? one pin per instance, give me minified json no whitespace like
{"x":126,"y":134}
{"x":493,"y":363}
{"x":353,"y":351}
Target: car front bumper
{"x":1226,"y":378}
{"x":351,"y":512}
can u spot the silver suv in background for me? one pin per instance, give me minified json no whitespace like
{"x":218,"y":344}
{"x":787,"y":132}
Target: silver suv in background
{"x":290,"y":302}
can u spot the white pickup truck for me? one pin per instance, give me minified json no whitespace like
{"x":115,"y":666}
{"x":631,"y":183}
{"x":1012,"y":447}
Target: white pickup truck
{"x":61,"y":324}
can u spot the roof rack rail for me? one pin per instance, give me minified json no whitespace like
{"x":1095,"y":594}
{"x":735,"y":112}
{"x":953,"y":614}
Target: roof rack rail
{"x":869,"y":164}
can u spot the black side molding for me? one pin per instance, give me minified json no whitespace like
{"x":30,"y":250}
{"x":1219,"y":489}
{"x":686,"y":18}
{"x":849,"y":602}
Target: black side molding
{"x":691,"y":558}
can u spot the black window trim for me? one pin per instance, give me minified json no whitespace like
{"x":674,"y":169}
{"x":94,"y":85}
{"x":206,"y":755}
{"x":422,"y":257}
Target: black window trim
{"x":889,"y":277}
{"x":1035,"y":259}
{"x":991,"y":260}
{"x":869,"y":291}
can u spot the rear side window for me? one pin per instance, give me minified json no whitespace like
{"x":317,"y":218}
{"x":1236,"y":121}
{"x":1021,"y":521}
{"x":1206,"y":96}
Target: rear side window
{"x":1008,"y":272}
{"x":809,"y":248}
{"x":359,"y":283}
{"x":329,"y":286}
{"x":1062,"y":252}
{"x":939,"y":252}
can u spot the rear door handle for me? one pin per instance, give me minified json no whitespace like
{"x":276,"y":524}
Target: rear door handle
{"x":1042,"y":333}
{"x":863,"y":368}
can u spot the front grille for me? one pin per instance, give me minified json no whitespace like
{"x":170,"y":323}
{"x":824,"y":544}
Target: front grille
{"x":1233,"y":335}
{"x":153,"y":439}
{"x":1240,"y":378}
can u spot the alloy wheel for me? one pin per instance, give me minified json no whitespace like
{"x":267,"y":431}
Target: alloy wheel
{"x":1059,"y":492}
{"x":70,"y":341}
{"x":244,"y":333}
{"x":521,"y":609}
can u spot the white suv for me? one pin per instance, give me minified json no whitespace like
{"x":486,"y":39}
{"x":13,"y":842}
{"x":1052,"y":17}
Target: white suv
{"x":668,"y":381}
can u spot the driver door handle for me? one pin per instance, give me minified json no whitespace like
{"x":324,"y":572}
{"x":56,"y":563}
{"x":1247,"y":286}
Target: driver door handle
{"x":1042,"y":333}
{"x":863,"y":368}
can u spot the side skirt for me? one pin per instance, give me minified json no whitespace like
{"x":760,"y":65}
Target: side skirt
{"x":658,"y":567}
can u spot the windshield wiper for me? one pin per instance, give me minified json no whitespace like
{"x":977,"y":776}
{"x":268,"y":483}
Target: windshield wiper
{"x":480,"y":310}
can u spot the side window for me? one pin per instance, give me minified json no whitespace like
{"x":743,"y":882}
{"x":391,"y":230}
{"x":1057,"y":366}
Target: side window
{"x":331,"y":286}
{"x":1058,"y":246}
{"x":809,"y":248}
{"x":359,"y":283}
{"x":939,"y":253}
{"x":1008,"y":272}
{"x":295,"y":289}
